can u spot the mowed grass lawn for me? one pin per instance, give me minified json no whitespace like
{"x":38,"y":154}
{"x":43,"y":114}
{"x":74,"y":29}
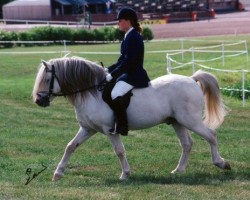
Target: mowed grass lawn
{"x":32,"y":138}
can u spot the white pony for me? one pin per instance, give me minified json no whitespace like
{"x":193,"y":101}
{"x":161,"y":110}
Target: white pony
{"x":172,"y":99}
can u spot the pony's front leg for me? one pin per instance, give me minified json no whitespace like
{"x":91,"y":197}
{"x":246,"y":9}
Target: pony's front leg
{"x":81,"y":136}
{"x":121,"y":154}
{"x":186,"y":143}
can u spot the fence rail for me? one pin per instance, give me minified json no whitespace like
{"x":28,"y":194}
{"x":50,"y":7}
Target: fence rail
{"x":207,"y":49}
{"x":48,"y":22}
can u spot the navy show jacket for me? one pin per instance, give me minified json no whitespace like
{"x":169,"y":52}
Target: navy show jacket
{"x":129,"y":67}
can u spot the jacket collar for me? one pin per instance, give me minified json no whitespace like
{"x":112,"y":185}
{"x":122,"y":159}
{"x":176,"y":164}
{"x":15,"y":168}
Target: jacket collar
{"x":128,"y":32}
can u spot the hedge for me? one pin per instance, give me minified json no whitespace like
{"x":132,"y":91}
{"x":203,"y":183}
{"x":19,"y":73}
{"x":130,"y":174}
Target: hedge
{"x":8,"y":36}
{"x":49,"y":33}
{"x":237,"y":90}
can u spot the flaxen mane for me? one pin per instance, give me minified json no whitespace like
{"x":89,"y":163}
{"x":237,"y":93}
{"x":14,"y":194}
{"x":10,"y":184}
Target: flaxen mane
{"x":77,"y":74}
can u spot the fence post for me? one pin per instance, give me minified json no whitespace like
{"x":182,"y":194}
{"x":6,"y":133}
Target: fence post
{"x":65,"y":46}
{"x":182,"y":49}
{"x":168,"y":64}
{"x":247,"y":53}
{"x":243,"y":88}
{"x":193,"y":60}
{"x":223,"y":55}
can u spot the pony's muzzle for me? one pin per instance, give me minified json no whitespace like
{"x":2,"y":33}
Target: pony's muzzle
{"x":43,"y":99}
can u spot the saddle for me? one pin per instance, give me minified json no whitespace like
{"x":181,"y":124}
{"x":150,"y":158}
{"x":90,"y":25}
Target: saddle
{"x":106,"y":94}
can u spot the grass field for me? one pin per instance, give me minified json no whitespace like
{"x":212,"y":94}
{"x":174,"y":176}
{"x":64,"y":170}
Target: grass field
{"x":32,"y":137}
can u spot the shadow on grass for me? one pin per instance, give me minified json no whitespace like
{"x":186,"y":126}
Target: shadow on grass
{"x":186,"y":178}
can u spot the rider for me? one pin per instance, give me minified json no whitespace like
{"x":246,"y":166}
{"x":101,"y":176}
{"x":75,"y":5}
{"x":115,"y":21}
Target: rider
{"x":127,"y":72}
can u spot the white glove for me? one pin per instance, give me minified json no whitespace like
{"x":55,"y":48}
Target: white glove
{"x":109,"y":77}
{"x":106,"y":69}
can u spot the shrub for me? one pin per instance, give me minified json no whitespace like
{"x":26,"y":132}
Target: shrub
{"x":105,"y":34}
{"x":118,"y":34}
{"x":7,"y":36}
{"x":109,"y":33}
{"x":238,"y":92}
{"x":82,"y":35}
{"x":147,"y":34}
{"x":99,"y":34}
{"x":78,"y":34}
{"x":25,"y":36}
{"x":49,"y":33}
{"x":61,"y":33}
{"x":41,"y":33}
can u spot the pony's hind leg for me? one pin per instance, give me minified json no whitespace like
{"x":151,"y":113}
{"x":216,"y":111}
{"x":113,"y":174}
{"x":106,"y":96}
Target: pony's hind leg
{"x":210,"y":136}
{"x":121,"y":154}
{"x":186,"y":144}
{"x":212,"y":139}
{"x":80,"y":137}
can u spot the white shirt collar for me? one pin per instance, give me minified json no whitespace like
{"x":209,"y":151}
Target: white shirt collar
{"x":128,"y":32}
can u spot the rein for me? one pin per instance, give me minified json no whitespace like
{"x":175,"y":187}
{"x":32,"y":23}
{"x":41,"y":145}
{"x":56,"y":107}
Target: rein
{"x":100,"y":86}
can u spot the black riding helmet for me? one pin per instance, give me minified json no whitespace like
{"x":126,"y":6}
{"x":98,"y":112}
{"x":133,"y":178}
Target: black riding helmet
{"x":127,"y":14}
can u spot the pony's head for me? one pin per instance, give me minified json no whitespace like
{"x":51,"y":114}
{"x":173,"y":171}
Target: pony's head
{"x":46,"y":84}
{"x":69,"y":77}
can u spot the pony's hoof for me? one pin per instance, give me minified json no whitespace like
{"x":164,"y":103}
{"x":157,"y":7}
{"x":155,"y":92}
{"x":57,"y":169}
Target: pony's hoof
{"x":223,"y":165}
{"x":124,"y":176}
{"x":227,"y":166}
{"x":175,"y":171}
{"x":57,"y":177}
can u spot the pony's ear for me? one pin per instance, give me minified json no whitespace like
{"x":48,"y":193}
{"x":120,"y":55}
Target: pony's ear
{"x":46,"y":64}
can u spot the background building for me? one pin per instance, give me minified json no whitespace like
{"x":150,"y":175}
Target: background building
{"x":71,"y":10}
{"x":106,"y":10}
{"x":27,"y":10}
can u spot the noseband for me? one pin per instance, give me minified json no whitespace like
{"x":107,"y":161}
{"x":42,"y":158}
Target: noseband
{"x":44,"y":96}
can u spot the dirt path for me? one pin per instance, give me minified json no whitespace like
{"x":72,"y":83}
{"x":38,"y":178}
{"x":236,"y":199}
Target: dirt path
{"x":223,"y":24}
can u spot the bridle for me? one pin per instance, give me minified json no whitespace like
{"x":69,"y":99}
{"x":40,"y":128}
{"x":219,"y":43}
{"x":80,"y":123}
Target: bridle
{"x":44,"y":96}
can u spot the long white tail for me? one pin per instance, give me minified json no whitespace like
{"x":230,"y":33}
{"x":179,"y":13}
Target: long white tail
{"x":215,"y":110}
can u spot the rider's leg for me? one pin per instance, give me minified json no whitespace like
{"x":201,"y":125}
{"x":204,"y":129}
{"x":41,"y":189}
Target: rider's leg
{"x":117,"y":95}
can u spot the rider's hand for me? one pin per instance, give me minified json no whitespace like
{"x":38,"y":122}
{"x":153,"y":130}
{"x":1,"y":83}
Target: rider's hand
{"x":106,"y":69}
{"x":109,"y":77}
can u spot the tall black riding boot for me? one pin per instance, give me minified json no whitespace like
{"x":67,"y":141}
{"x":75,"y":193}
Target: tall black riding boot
{"x":121,"y":116}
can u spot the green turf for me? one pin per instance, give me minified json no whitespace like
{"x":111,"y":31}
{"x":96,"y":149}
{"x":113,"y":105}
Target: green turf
{"x":31,"y":137}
